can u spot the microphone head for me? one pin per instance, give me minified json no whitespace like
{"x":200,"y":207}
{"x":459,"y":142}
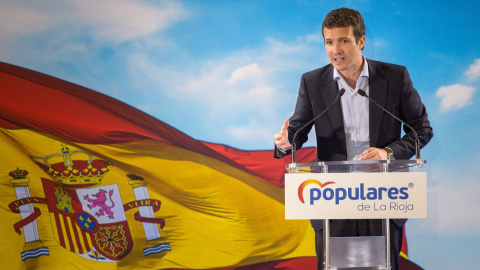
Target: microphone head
{"x":341,"y":92}
{"x":362,"y":93}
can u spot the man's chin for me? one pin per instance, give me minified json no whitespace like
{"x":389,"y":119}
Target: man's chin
{"x":339,"y":67}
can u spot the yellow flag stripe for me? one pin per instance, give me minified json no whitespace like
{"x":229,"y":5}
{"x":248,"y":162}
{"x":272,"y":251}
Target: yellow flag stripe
{"x":216,"y":215}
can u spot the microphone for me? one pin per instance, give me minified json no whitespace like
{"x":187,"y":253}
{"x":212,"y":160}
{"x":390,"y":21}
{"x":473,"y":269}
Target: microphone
{"x":417,"y":144}
{"x":294,"y":150}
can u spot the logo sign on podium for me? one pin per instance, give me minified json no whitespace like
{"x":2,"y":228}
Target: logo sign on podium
{"x":356,"y":195}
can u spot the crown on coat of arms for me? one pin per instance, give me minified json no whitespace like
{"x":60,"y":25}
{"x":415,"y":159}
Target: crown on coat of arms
{"x":18,"y":174}
{"x":84,"y":170}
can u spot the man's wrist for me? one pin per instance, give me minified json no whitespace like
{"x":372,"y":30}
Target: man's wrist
{"x":281,"y":150}
{"x":390,"y":155}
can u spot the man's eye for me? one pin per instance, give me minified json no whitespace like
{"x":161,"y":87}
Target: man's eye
{"x":345,"y":41}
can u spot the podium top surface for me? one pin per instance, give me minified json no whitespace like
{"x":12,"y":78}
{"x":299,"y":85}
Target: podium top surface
{"x":355,"y":165}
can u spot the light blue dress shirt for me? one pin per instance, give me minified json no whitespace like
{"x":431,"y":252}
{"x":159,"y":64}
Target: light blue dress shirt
{"x":355,"y":113}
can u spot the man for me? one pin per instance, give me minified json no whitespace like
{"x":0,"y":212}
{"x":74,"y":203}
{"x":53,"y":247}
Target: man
{"x":352,"y":129}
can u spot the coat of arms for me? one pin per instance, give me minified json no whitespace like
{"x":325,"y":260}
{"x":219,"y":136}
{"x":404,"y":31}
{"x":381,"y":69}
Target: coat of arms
{"x":88,"y":218}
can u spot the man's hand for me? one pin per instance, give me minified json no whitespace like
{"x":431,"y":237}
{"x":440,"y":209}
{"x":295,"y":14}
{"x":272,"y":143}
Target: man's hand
{"x":281,"y":138}
{"x":373,"y":153}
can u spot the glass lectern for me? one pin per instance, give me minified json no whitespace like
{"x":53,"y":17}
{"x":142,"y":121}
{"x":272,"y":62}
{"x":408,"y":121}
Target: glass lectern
{"x":377,"y":189}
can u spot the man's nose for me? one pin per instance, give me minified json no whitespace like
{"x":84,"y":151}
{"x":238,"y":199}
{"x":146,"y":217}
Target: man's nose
{"x":337,"y":47}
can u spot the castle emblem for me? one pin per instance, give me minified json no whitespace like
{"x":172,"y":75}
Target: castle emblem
{"x":64,"y":200}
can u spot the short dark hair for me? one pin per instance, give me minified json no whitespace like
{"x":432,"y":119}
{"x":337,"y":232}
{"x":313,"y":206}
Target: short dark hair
{"x":345,"y":17}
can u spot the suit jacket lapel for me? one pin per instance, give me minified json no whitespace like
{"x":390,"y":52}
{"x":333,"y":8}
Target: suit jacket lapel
{"x":377,"y":92}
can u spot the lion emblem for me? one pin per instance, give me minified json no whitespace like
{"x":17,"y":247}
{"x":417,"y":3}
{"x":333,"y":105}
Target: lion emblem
{"x":101,"y":202}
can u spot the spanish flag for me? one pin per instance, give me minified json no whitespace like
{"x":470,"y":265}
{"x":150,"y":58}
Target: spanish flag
{"x":88,"y":182}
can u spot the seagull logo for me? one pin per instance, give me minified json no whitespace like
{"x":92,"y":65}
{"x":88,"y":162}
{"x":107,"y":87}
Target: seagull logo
{"x":308,"y":182}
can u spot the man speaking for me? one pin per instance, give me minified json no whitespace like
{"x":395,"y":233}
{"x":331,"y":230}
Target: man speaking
{"x":351,"y":128}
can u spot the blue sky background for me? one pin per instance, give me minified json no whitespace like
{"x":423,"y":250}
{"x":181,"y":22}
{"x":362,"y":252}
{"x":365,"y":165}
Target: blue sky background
{"x":228,"y":72}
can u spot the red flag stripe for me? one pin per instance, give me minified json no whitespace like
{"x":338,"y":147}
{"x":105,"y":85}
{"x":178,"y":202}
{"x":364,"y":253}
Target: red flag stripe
{"x":43,"y":103}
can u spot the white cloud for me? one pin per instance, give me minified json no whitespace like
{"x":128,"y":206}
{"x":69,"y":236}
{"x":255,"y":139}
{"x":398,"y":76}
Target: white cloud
{"x":261,"y":92}
{"x":454,"y":97}
{"x":453,"y":205}
{"x":16,"y":19}
{"x":120,"y":20}
{"x":317,"y":38}
{"x":111,"y":20}
{"x":252,"y":132}
{"x":474,"y":71}
{"x":250,"y":71}
{"x":458,"y":207}
{"x":379,"y":43}
{"x":234,"y":79}
{"x":255,"y":84}
{"x":78,"y":33}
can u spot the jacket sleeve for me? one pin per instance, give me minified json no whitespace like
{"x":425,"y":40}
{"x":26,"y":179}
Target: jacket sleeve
{"x":413,"y":112}
{"x":302,"y":115}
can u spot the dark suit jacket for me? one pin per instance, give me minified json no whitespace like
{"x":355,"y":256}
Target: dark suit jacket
{"x":390,"y":86}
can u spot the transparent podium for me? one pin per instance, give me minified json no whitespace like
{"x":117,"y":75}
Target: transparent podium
{"x":377,"y":189}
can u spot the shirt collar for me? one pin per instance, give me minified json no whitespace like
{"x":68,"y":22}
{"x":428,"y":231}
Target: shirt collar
{"x":364,"y":73}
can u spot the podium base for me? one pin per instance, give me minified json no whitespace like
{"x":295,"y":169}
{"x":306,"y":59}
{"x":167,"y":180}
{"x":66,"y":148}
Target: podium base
{"x":358,"y":253}
{"x":361,"y":268}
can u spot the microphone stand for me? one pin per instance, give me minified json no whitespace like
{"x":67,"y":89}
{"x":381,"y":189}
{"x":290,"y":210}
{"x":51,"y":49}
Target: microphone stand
{"x":294,"y":146}
{"x":417,"y":143}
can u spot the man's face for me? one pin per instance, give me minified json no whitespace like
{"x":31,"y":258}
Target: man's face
{"x":342,"y":50}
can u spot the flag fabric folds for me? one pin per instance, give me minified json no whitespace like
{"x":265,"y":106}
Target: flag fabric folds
{"x":88,"y":182}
